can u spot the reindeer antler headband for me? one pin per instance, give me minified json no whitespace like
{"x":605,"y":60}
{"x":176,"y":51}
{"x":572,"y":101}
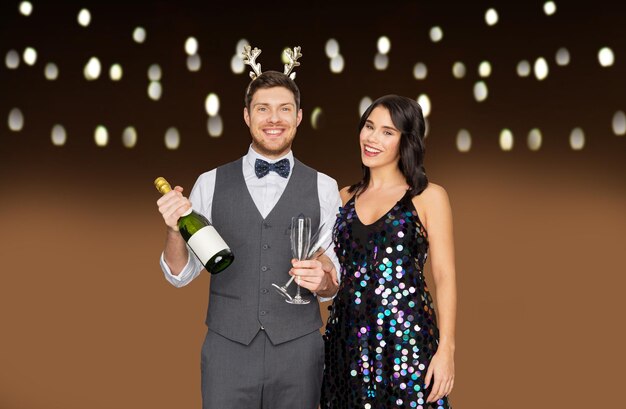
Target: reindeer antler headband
{"x":250,"y":55}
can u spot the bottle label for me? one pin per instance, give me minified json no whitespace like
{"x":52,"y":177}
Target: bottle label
{"x":206,"y":243}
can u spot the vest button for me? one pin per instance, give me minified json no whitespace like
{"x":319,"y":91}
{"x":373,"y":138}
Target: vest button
{"x":264,"y":268}
{"x":265,"y":247}
{"x":266,"y":225}
{"x":263,"y":312}
{"x":264,"y":290}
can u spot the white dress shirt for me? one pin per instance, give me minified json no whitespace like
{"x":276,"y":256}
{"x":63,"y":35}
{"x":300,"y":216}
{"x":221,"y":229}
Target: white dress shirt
{"x":265,"y":192}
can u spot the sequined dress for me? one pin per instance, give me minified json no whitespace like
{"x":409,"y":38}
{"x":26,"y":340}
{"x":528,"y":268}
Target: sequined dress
{"x":382,"y":329}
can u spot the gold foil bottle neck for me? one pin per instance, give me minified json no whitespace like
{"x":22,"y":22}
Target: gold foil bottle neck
{"x":162,"y":185}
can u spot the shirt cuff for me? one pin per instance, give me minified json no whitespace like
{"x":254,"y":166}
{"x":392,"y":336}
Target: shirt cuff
{"x":181,"y":279}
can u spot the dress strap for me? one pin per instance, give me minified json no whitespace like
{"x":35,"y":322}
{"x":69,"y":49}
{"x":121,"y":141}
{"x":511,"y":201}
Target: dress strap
{"x":407,"y":195}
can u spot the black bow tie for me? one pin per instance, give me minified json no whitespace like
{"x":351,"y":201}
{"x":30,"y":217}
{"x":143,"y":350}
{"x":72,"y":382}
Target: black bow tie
{"x":262,"y":168}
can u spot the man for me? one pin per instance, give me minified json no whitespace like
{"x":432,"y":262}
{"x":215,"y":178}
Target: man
{"x":259,"y":351}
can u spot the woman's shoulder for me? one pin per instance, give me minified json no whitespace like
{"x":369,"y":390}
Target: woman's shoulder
{"x":433,"y":195}
{"x":431,"y":204}
{"x":434,"y":190}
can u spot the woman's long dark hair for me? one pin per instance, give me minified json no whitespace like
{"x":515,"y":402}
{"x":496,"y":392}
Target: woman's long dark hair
{"x":407,"y":117}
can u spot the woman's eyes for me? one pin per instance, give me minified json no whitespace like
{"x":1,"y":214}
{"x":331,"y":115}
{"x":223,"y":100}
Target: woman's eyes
{"x":388,"y":133}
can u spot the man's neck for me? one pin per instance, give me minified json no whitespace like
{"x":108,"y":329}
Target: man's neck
{"x":270,"y":155}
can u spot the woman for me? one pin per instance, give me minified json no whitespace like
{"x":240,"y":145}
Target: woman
{"x":384,"y":348}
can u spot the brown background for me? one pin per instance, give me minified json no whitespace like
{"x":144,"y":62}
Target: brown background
{"x":89,"y":321}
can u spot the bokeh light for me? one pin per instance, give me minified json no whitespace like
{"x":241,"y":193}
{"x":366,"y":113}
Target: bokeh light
{"x":420,"y":71}
{"x":139,"y":35}
{"x":332,"y":48}
{"x":237,"y":65}
{"x":30,"y":56}
{"x":155,"y":90}
{"x":606,"y":57}
{"x":116,"y":72}
{"x":523,"y":68}
{"x":541,"y":68}
{"x":436,"y":34}
{"x":491,"y":17}
{"x":58,"y":135}
{"x":236,"y":62}
{"x":12,"y":59}
{"x":549,"y":7}
{"x":562,"y":56}
{"x":381,"y":62}
{"x":484,"y":69}
{"x":463,"y":140}
{"x":92,"y":69}
{"x":215,"y":126}
{"x":154,"y":72}
{"x":16,"y":120}
{"x":172,"y":138}
{"x":619,"y":123}
{"x":364,"y":104}
{"x":283,"y":55}
{"x":317,"y":118}
{"x":51,"y":72}
{"x":336,"y":64}
{"x":191,"y":46}
{"x":424,"y":101}
{"x":577,"y":139}
{"x":534,"y":139}
{"x":480,"y":91}
{"x":506,"y":140}
{"x":458,"y":70}
{"x":101,"y":136}
{"x":26,"y":8}
{"x":84,"y":17}
{"x":194,"y":63}
{"x":212,"y":104}
{"x":129,"y":137}
{"x":240,"y":45}
{"x":383,"y":44}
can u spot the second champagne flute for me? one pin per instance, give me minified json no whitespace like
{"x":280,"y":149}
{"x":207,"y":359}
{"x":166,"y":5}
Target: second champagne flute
{"x":300,"y":243}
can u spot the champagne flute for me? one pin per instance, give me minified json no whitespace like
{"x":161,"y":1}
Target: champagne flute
{"x":300,"y":243}
{"x":314,"y":251}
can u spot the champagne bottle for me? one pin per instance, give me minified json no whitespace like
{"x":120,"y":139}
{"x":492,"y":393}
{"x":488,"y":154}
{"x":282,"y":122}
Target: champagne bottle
{"x":201,"y":237}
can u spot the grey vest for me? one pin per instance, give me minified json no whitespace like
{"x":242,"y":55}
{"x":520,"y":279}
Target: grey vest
{"x":242,"y":299}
